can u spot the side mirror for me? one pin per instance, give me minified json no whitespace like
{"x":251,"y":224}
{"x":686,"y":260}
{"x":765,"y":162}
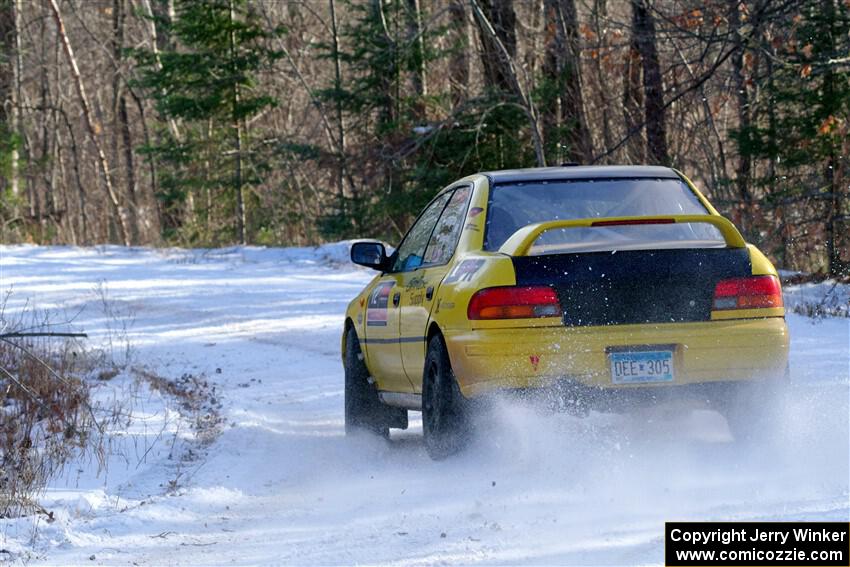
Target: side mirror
{"x":370,"y":254}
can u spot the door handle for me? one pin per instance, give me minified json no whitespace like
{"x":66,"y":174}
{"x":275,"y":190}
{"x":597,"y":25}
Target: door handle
{"x":429,"y":293}
{"x":396,"y":299}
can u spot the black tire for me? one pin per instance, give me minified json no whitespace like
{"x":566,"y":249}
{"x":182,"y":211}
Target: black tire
{"x":446,"y":421}
{"x":752,"y":411}
{"x":364,"y":411}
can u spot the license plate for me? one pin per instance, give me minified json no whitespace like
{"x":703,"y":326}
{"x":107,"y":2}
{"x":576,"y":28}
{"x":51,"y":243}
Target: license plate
{"x":639,"y":367}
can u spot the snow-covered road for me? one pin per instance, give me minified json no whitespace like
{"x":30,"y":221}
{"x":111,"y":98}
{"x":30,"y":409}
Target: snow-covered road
{"x":283,"y":485}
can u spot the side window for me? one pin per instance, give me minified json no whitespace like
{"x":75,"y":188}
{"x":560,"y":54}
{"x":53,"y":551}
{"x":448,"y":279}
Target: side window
{"x":412,"y":249}
{"x":444,"y":239}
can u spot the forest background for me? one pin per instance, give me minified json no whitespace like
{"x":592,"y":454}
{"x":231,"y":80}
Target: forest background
{"x":294,"y":122}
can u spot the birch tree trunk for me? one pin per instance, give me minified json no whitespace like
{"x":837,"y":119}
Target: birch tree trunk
{"x":743,"y":168}
{"x":340,"y":118}
{"x":103,"y":163}
{"x":160,"y":40}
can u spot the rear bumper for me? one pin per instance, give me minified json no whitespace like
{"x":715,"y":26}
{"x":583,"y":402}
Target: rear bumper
{"x":486,"y":360}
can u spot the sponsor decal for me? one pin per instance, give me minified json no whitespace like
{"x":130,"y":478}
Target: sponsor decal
{"x":474,"y":212}
{"x":471,"y":226}
{"x":416,"y":298}
{"x":464,"y":271}
{"x":534,"y":360}
{"x":415,"y":290}
{"x":416,"y":282}
{"x":376,"y":311}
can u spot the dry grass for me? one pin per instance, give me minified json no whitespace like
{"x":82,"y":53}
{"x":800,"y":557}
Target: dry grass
{"x":199,"y":406}
{"x":46,"y":418}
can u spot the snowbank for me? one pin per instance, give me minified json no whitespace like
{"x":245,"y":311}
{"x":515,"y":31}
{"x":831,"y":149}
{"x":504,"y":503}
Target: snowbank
{"x":821,"y":299}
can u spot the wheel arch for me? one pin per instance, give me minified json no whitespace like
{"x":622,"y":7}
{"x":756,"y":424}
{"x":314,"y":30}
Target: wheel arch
{"x":348,"y":327}
{"x":433,"y":330}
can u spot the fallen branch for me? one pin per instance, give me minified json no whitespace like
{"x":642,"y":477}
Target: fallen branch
{"x":21,"y":335}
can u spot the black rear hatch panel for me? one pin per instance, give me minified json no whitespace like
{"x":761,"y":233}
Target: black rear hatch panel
{"x":636,"y":286}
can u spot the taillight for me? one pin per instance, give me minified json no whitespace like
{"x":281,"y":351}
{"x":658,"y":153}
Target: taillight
{"x":525,"y":302}
{"x":758,"y":292}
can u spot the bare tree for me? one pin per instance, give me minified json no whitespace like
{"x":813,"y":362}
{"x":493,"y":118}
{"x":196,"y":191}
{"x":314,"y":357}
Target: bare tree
{"x":237,"y":127}
{"x":565,"y":119}
{"x":119,"y":213}
{"x":459,"y":62}
{"x":497,"y":29}
{"x":499,"y":48}
{"x":643,"y":28}
{"x":419,"y":77}
{"x":633,"y":102}
{"x":742,"y":97}
{"x":340,"y":117}
{"x":10,"y":84}
{"x":374,"y":123}
{"x":121,"y":134}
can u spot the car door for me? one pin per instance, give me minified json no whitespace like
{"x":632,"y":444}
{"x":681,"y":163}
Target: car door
{"x":383,"y":341}
{"x":419,"y":286}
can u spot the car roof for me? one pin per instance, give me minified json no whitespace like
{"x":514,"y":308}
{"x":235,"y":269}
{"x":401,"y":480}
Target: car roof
{"x":536,"y":174}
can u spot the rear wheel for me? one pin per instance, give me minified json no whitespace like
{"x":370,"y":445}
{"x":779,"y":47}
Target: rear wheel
{"x":364,"y":411}
{"x":445,"y":413}
{"x":752,"y":410}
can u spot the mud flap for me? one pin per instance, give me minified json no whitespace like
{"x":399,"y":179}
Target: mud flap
{"x":395,"y":418}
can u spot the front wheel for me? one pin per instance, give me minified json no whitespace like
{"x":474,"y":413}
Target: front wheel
{"x":445,"y":413}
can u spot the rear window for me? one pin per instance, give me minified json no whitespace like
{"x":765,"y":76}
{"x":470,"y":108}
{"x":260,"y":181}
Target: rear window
{"x":513,"y":206}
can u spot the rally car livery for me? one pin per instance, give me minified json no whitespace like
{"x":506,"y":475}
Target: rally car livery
{"x":607,"y":285}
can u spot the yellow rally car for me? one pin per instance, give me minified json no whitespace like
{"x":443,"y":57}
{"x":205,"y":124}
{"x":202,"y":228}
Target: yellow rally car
{"x":607,"y":285}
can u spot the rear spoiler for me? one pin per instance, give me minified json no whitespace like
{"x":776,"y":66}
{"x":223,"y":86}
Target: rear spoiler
{"x":520,"y":242}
